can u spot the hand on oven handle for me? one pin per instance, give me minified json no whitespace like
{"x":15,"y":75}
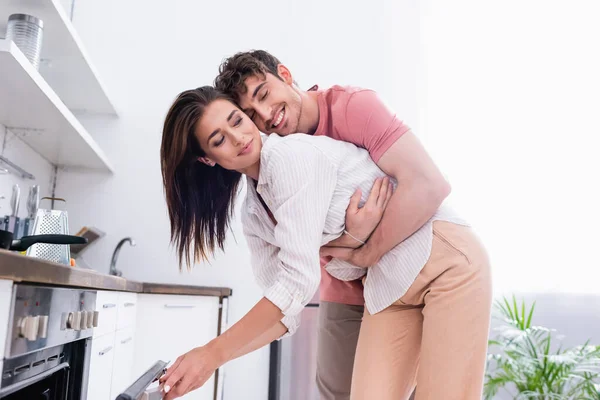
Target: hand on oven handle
{"x":138,"y":388}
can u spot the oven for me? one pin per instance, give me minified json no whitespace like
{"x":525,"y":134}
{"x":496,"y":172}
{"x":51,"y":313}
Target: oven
{"x":48,"y":344}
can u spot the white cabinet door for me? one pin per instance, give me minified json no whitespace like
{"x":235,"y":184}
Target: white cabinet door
{"x":106,"y":305}
{"x":126,"y":309}
{"x":101,"y":367}
{"x":122,"y":375}
{"x":170,"y":325}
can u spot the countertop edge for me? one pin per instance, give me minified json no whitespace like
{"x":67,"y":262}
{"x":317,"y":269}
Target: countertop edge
{"x":22,"y":269}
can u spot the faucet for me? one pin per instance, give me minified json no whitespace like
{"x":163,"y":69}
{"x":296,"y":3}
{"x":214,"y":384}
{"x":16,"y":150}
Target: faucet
{"x":113,"y":262}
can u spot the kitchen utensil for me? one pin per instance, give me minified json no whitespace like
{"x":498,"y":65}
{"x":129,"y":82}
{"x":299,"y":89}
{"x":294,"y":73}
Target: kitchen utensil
{"x":51,"y":222}
{"x":13,"y":219}
{"x":7,"y":242}
{"x":27,"y":32}
{"x":33,"y":201}
{"x":139,"y":388}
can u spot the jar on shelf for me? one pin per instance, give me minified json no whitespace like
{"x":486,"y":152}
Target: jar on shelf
{"x":27,"y":32}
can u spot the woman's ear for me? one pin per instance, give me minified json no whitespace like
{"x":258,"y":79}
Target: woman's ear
{"x":207,"y":161}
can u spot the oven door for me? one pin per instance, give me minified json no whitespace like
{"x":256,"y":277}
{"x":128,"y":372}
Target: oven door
{"x":146,"y":386}
{"x":55,"y":373}
{"x":52,"y":384}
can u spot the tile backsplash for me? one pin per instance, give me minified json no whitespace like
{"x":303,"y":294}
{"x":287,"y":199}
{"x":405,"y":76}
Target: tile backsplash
{"x":25,"y":157}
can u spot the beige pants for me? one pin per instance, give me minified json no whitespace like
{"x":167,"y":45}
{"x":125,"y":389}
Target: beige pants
{"x":435,"y":336}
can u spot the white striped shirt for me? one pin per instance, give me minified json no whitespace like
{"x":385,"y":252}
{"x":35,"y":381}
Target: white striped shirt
{"x":307,"y":183}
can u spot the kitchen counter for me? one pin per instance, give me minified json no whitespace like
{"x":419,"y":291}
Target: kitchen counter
{"x":20,"y":268}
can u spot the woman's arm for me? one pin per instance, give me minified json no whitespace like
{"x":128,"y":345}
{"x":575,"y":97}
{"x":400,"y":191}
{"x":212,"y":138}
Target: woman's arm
{"x":271,"y":335}
{"x":255,"y":324}
{"x":302,"y":181}
{"x":191,"y":370}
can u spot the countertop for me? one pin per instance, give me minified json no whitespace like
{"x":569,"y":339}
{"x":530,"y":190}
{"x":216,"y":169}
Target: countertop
{"x":20,"y":268}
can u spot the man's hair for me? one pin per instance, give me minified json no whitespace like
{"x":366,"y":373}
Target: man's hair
{"x":234,"y":70}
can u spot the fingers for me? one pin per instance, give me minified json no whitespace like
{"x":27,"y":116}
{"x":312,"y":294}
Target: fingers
{"x":354,"y":200}
{"x":173,"y":376}
{"x":390,"y":192}
{"x":170,"y":370}
{"x":185,"y":384}
{"x":340,"y":253}
{"x":383,"y":190}
{"x":374,"y":195}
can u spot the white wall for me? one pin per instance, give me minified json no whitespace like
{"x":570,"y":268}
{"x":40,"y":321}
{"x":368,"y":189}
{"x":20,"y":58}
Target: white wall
{"x":510,"y":111}
{"x":21,"y":154}
{"x":509,"y":108}
{"x":147,"y":52}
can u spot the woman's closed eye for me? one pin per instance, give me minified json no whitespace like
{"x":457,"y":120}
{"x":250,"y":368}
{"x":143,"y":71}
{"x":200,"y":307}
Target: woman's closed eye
{"x":238,"y":121}
{"x":264,"y":96}
{"x":219,"y":142}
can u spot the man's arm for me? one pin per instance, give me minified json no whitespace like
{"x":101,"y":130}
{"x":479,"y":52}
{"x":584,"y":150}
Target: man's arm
{"x":421,"y":186}
{"x":421,"y":190}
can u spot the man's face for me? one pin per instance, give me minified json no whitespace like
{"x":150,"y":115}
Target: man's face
{"x":272,"y":103}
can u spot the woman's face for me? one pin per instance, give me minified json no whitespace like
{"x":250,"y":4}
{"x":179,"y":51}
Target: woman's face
{"x":228,"y":137}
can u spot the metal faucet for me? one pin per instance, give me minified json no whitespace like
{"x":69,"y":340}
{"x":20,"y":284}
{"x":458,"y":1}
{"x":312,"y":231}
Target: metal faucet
{"x":113,"y":262}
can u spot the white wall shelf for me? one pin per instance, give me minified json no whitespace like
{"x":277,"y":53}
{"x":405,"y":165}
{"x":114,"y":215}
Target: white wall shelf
{"x":65,"y":64}
{"x":33,"y":111}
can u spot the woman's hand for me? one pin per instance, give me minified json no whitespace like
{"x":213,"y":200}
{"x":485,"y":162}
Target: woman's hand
{"x":190,"y":371}
{"x":362,"y":221}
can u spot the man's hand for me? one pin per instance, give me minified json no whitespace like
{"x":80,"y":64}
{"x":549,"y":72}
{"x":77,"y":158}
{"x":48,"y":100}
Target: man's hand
{"x":356,"y":257}
{"x":189,"y":372}
{"x":362,"y":221}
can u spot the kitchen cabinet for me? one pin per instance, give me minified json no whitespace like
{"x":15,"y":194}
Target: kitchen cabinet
{"x":101,"y":367}
{"x":122,"y":374}
{"x":126,"y":310}
{"x":107,"y":306}
{"x":115,"y":334}
{"x":168,"y":325}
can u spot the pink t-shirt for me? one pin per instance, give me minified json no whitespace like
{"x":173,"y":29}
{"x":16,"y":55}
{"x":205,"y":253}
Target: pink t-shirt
{"x":357,"y":116}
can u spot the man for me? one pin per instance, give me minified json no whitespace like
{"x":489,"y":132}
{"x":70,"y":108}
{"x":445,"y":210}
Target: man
{"x":266,"y":91}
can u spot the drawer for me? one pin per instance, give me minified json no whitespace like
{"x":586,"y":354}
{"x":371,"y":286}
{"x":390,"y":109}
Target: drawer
{"x":126,"y":310}
{"x":101,"y":367}
{"x":107,"y":307}
{"x":123,"y":363}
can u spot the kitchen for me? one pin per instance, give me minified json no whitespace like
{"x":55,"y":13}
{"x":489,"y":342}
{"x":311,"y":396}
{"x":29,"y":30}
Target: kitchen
{"x":84,"y":125}
{"x":87,"y":127}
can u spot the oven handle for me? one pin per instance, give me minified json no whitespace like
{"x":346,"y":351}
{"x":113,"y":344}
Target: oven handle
{"x":138,"y":388}
{"x":30,"y":381}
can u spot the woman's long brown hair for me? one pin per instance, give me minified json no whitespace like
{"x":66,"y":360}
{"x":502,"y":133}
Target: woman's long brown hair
{"x":200,"y":198}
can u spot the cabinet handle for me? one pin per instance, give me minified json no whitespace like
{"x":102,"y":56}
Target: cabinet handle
{"x":126,"y":340}
{"x":179,"y":306}
{"x":128,"y":304}
{"x":109,"y":305}
{"x":106,"y":350}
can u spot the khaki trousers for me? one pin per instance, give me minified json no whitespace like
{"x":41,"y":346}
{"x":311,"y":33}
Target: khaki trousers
{"x":435,"y":336}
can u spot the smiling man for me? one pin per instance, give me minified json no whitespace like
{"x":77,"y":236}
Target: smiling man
{"x":266,"y":91}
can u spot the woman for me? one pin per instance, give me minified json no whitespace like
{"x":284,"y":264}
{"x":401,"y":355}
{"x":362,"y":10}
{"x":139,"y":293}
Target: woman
{"x":422,"y":312}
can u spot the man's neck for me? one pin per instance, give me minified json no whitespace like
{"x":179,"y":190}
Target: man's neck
{"x":309,"y":112}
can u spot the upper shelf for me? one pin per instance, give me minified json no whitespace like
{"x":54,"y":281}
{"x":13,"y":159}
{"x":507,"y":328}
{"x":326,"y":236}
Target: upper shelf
{"x":32,"y":110}
{"x":64,"y":64}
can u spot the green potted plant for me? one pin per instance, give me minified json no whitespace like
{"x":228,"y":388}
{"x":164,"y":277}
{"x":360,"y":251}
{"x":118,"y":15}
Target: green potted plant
{"x":525,"y":363}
